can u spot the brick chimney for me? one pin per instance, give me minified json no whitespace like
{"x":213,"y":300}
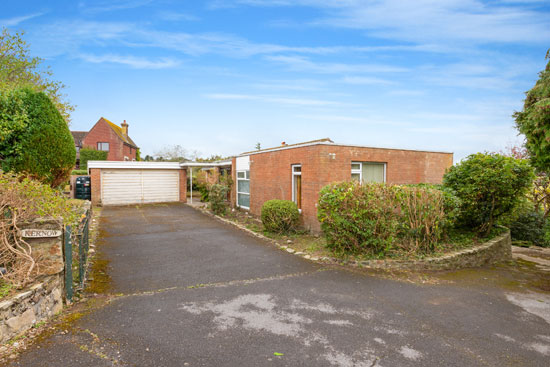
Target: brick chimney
{"x":124,"y":127}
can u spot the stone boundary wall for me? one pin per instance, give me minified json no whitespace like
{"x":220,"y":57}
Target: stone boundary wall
{"x":491,"y":252}
{"x":38,"y":303}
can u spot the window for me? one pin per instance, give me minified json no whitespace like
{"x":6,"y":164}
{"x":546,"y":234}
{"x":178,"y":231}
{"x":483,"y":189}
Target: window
{"x":243,"y":189}
{"x":368,"y":172}
{"x":103,"y":146}
{"x":297,"y":184}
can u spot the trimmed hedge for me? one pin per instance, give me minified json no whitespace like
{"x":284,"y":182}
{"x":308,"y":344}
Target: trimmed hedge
{"x":34,"y":137}
{"x":88,"y":154}
{"x":79,"y":172}
{"x":280,"y":216}
{"x":379,"y":219}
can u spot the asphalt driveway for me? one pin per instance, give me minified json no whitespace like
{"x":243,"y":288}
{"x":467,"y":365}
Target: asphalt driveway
{"x":188,"y":290}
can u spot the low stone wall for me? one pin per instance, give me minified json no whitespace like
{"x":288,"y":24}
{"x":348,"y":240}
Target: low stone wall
{"x":496,"y":250}
{"x":40,"y":302}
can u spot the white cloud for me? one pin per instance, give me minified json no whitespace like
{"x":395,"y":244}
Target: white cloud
{"x":177,"y":16}
{"x":432,"y":20}
{"x":363,"y":80}
{"x":272,"y":99}
{"x":300,"y":63}
{"x":102,"y":6}
{"x":132,"y":61}
{"x":14,"y":21}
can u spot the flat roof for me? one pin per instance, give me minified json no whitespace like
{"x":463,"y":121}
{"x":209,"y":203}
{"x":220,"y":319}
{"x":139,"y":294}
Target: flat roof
{"x":330,"y":143}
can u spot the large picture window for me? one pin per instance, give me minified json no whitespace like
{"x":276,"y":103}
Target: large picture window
{"x":365,"y":172}
{"x":243,"y":189}
{"x":297,"y":185}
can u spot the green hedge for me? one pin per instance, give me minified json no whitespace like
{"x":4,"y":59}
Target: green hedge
{"x":34,"y":137}
{"x":280,"y":216}
{"x":379,"y":219}
{"x":79,"y":172}
{"x":530,"y":226}
{"x":489,"y":186}
{"x":87,"y":154}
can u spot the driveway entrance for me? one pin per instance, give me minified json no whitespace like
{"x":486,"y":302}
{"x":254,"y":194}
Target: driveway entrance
{"x":188,"y":290}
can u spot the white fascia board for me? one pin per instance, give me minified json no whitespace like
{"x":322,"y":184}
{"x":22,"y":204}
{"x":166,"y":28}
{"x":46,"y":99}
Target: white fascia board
{"x":198,"y":164}
{"x":133,"y":165}
{"x":340,"y":145}
{"x":285,"y":147}
{"x":390,"y":148}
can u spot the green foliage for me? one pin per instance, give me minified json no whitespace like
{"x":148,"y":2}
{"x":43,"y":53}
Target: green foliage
{"x":530,"y":226}
{"x":280,"y":216}
{"x":18,"y":69}
{"x":489,"y":187}
{"x":218,"y":198}
{"x":34,"y":138}
{"x":5,"y":288}
{"x":534,"y":120}
{"x":79,"y":172}
{"x":379,"y":219}
{"x":89,"y":154}
{"x":138,"y":155}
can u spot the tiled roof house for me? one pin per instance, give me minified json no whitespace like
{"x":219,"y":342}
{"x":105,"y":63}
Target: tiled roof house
{"x":107,"y":136}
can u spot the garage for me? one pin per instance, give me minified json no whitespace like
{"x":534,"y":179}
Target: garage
{"x":122,"y":183}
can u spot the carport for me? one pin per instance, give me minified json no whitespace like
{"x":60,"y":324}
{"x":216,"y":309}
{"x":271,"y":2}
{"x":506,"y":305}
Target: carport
{"x":124,"y":182}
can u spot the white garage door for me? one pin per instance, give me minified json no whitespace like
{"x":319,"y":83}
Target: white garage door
{"x":134,"y":186}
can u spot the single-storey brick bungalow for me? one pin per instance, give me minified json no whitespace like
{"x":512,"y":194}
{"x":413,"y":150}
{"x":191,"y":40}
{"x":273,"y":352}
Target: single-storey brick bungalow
{"x":294,"y":172}
{"x":298,"y":172}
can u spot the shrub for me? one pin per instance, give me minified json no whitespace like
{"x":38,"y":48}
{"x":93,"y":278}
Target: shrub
{"x":529,"y":226}
{"x":377,"y":219}
{"x":280,"y":216}
{"x":489,"y":186}
{"x":358,"y":219}
{"x":34,"y":137}
{"x":79,"y":172}
{"x":90,"y":154}
{"x":218,"y":198}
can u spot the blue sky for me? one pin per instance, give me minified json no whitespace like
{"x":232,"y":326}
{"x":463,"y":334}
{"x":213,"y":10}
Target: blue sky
{"x":219,"y":76}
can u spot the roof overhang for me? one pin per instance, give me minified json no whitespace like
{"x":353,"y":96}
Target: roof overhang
{"x":133,"y":165}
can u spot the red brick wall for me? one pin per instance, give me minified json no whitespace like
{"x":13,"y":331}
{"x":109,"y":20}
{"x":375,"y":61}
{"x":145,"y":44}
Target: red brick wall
{"x":183,"y":185}
{"x":102,"y":132}
{"x":271,"y":176}
{"x":95,"y":177}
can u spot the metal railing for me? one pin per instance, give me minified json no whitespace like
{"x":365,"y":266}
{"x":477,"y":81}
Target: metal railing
{"x":76,"y":239}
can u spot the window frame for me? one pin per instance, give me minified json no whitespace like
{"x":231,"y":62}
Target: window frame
{"x":246,"y":177}
{"x":100,"y":144}
{"x":360,"y":170}
{"x":293,"y":173}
